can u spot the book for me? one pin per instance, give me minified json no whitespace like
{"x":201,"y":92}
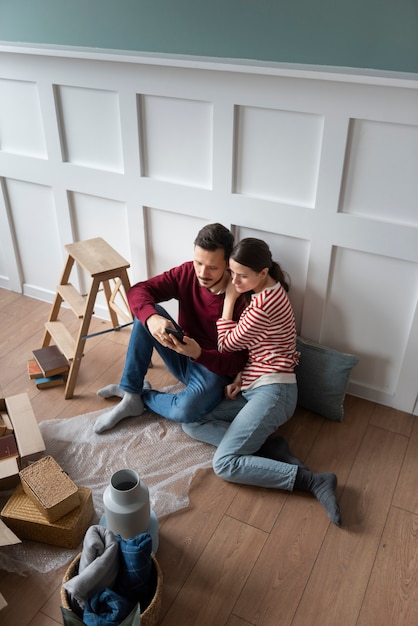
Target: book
{"x":51,"y":361}
{"x":8,"y":446}
{"x":34,"y":371}
{"x":49,"y":381}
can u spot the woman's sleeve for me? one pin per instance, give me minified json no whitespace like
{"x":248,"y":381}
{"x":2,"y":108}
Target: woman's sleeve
{"x":244,"y":333}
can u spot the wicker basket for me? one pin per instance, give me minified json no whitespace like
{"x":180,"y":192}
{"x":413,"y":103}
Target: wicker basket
{"x":50,"y":488}
{"x":151,"y":614}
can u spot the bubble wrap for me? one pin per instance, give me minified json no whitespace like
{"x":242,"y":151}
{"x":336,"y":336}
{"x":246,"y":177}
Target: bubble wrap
{"x":165,"y":458}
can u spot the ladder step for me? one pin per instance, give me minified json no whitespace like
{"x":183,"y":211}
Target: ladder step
{"x":62,"y":337}
{"x":73,"y":297}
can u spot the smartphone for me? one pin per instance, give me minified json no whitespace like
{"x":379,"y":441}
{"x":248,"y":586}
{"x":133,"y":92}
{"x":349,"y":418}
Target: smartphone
{"x":177,"y":332}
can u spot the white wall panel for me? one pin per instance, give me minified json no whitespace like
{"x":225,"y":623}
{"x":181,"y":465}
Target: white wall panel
{"x":10,"y":273}
{"x":369,"y":311}
{"x":177,"y":140}
{"x":278,"y":154}
{"x":21,"y":128}
{"x":90,"y":127}
{"x":35,"y":229}
{"x":94,"y":216}
{"x":144,"y":151}
{"x":381,"y":171}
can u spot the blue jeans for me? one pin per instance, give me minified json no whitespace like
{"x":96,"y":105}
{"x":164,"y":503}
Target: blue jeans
{"x":240,"y":427}
{"x":204,"y":389}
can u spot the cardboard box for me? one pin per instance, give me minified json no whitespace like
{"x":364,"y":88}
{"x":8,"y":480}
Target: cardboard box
{"x":24,"y":518}
{"x":6,"y":427}
{"x":3,"y":602}
{"x":50,"y":488}
{"x":30,"y":443}
{"x":7,"y":537}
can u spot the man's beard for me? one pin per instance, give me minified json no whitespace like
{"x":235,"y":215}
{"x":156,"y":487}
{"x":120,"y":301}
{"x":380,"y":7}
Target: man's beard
{"x":208,"y":284}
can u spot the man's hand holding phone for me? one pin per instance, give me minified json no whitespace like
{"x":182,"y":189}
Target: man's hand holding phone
{"x":177,"y":332}
{"x":183,"y":344}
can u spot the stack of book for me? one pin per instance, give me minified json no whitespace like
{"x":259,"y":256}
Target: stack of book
{"x":48,"y":368}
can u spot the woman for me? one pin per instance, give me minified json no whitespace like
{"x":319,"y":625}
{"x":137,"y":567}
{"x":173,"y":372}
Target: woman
{"x":264,"y":395}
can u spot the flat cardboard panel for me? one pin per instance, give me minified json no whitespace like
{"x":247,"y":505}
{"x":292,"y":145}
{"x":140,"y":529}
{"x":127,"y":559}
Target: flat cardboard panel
{"x":8,"y":468}
{"x":27,"y":433}
{"x":7,"y":536}
{"x":17,"y":412}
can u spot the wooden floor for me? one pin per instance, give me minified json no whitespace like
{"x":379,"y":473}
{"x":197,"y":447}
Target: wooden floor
{"x":242,"y":555}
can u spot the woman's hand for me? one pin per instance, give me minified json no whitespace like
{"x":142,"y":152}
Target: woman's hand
{"x":233,"y":389}
{"x":230,"y":292}
{"x":231,"y":295}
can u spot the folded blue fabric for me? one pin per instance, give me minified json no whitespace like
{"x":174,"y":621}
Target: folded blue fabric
{"x":106,"y":608}
{"x":134,"y":580}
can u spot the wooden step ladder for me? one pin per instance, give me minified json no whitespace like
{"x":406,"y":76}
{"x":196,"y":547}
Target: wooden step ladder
{"x":103,"y":264}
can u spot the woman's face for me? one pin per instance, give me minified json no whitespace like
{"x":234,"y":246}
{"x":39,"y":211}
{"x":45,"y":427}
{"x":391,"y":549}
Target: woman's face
{"x":246,"y":279}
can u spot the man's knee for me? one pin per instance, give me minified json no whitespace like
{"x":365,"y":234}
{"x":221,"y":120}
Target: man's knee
{"x":187,"y":409}
{"x":184,"y":414}
{"x":191,"y":429}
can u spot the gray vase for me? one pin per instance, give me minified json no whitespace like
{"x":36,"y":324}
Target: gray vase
{"x":126,"y":503}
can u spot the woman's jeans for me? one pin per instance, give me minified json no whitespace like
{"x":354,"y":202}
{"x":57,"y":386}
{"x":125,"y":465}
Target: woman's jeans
{"x":240,"y":427}
{"x":204,"y":389}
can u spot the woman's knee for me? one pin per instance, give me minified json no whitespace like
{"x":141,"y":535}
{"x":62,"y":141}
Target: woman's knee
{"x":222,"y":465}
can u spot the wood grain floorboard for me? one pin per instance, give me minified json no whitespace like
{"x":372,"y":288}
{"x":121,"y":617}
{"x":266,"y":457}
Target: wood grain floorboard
{"x":406,"y":494}
{"x":396,"y":565}
{"x":273,"y":591}
{"x":344,"y":564}
{"x":218,"y":576}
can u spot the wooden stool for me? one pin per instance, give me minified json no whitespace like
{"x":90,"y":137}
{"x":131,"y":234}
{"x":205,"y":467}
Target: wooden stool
{"x":103,"y":264}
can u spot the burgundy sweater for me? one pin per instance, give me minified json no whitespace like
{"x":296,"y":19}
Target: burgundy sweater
{"x":199,"y":310}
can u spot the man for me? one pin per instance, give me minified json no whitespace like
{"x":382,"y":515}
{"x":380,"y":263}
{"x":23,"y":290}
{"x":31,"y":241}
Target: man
{"x":199,"y":287}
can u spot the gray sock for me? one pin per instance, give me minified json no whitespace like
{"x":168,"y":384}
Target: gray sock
{"x":110,"y":391}
{"x":323,"y":487}
{"x":130,"y":406}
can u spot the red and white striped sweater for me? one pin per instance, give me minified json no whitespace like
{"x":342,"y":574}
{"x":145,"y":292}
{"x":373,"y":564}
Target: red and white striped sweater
{"x":267,"y":329}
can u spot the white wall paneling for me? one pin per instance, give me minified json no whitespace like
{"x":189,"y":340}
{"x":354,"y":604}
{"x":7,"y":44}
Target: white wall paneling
{"x":143,"y":151}
{"x":90,"y":127}
{"x":21,"y":128}
{"x":381,"y":171}
{"x":278,"y":155}
{"x":167,"y":124}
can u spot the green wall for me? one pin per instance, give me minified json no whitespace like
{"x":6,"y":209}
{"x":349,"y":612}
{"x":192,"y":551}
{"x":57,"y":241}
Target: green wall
{"x":376,"y":34}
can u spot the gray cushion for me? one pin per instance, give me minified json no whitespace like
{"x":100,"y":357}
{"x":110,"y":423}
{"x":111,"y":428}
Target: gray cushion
{"x":322,"y":375}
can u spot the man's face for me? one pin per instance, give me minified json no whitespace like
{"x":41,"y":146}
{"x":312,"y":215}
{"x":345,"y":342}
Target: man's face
{"x":209,"y":266}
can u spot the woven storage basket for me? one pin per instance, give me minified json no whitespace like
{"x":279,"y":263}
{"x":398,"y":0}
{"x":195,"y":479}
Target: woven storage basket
{"x":50,"y":488}
{"x":24,"y":518}
{"x":151,"y":614}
